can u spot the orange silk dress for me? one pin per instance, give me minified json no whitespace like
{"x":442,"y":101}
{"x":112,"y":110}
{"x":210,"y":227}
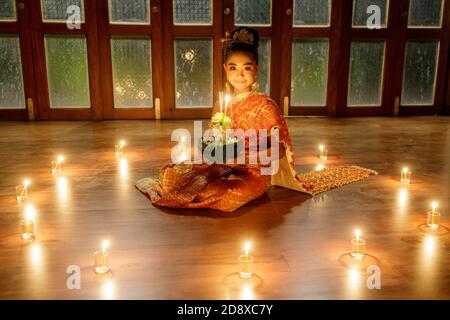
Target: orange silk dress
{"x":227,"y":187}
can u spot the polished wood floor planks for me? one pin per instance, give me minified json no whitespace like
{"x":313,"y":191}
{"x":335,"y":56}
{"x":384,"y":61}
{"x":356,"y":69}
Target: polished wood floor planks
{"x":300,"y":243}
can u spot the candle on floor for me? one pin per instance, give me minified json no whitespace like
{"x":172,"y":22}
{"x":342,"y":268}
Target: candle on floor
{"x":27,"y":225}
{"x":358,"y":246}
{"x":323,"y":152}
{"x":57,"y":165}
{"x":320,"y":166}
{"x":406,"y":176}
{"x":119,"y":148}
{"x":434,"y":217}
{"x":22,"y":191}
{"x":246,"y":263}
{"x":101,"y":257}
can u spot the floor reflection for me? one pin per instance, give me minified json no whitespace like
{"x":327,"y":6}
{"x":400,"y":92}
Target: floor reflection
{"x":108,"y":290}
{"x":123,"y":168}
{"x":63,"y":190}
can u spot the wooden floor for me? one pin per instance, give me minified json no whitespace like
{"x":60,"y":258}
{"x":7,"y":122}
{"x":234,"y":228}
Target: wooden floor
{"x":300,"y":244}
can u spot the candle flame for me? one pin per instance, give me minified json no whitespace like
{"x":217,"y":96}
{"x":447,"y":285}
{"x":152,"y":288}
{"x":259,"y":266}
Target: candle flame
{"x":60,"y":159}
{"x":434,"y":205}
{"x":122,"y":143}
{"x":357,"y":233}
{"x":227,"y":99}
{"x":321,"y":147}
{"x":320,"y":166}
{"x":405,"y":170}
{"x":26,"y":183}
{"x":247,"y":248}
{"x":30,"y":213}
{"x":105,"y":245}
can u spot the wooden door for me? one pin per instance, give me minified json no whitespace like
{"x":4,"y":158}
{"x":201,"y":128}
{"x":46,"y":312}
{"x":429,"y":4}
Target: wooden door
{"x":66,"y":59}
{"x":419,"y":81}
{"x":311,"y":56}
{"x":131,"y":58}
{"x":17,"y":91}
{"x":192,"y":32}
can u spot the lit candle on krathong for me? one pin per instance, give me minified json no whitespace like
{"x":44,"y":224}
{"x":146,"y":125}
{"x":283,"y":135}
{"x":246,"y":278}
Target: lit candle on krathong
{"x":57,"y":165}
{"x":27,"y":225}
{"x":119,"y":148}
{"x":22,"y":191}
{"x":323,"y":152}
{"x":358,"y":246}
{"x":101,"y":258}
{"x":246,"y":263}
{"x":227,"y":102}
{"x":406,"y":176}
{"x":221,"y":101}
{"x":434,"y":217}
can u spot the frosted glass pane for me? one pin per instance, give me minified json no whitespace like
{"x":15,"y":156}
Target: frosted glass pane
{"x":419,"y":77}
{"x":193,"y":73}
{"x":264,"y":65}
{"x":366,"y":73}
{"x":56,"y":10}
{"x":425,"y":13}
{"x":252,"y":12}
{"x":125,"y":11}
{"x":309,"y":72}
{"x":360,"y":14}
{"x":11,"y":81}
{"x":312,"y":12}
{"x":7,"y":10}
{"x":67,"y":71}
{"x":192,"y":11}
{"x":132,"y":74}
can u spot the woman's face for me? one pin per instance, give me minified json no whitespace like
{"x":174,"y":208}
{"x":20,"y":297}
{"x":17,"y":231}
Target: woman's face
{"x":241,"y":71}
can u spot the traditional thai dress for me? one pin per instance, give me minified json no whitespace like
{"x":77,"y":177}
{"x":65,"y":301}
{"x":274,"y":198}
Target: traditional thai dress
{"x":227,"y":187}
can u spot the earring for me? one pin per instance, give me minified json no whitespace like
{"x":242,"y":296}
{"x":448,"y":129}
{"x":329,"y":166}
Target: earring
{"x":255,"y":86}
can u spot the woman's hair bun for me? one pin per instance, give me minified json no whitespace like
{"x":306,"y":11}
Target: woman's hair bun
{"x":246,"y":35}
{"x":242,"y":39}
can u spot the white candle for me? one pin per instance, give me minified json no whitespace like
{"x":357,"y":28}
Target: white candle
{"x":26,"y":183}
{"x":246,"y":248}
{"x":358,"y":246}
{"x":105,"y":246}
{"x":221,"y":101}
{"x":28,"y":223}
{"x":434,"y":217}
{"x":357,"y":234}
{"x":227,"y":101}
{"x":22,"y":191}
{"x":434,"y":206}
{"x":119,"y":148}
{"x":56,"y":165}
{"x":406,"y":176}
{"x":246,"y":263}
{"x":323,"y":152}
{"x":101,"y":263}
